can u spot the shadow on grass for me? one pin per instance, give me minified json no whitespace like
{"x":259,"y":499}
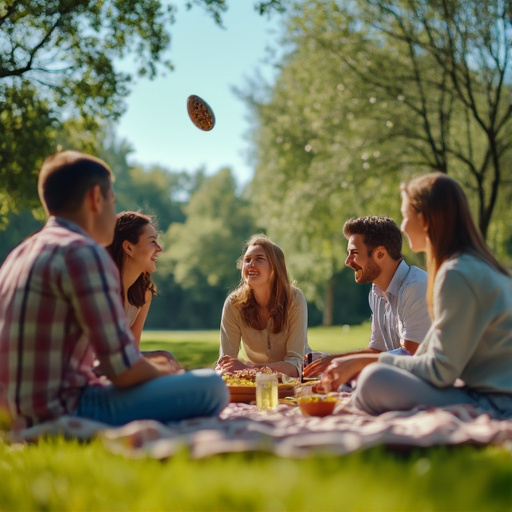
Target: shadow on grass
{"x":190,"y":354}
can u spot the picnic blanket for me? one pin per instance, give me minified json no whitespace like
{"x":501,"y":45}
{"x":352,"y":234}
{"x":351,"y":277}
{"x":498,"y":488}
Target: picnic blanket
{"x":285,"y":432}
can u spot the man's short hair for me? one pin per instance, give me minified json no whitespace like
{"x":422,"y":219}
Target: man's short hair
{"x":376,"y":231}
{"x":65,"y":178}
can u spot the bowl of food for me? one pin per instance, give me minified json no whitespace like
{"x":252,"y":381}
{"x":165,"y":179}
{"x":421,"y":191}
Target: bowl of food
{"x":242,"y":384}
{"x":317,"y":405}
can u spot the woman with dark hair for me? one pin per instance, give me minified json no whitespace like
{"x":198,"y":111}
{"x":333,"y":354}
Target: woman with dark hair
{"x":135,"y":250}
{"x":265,"y":313}
{"x":466,"y":356}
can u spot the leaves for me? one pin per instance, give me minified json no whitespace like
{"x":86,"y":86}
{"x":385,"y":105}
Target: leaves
{"x":64,"y":55}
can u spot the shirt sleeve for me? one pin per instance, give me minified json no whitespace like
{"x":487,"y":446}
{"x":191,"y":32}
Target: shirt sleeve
{"x":459,"y":322}
{"x":230,"y":330}
{"x":93,"y":286}
{"x":297,"y":339}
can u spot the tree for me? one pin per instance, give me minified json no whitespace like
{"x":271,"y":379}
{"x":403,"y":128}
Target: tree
{"x":314,"y":165}
{"x":57,"y":62}
{"x":201,"y":253}
{"x":441,"y":74}
{"x":356,"y":108}
{"x":155,"y":190}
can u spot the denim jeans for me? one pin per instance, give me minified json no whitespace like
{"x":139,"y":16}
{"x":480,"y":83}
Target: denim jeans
{"x":171,"y":398}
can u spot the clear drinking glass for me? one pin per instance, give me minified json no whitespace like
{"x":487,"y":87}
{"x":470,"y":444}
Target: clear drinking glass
{"x":266,"y":391}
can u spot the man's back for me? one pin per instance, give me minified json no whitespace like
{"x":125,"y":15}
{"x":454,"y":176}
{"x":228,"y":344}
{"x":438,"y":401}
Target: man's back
{"x":56,"y":292}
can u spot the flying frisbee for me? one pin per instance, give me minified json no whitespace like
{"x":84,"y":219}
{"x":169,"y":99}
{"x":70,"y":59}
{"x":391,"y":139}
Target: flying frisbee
{"x":200,"y":113}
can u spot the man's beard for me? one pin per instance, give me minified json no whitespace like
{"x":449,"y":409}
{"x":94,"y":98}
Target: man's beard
{"x":370,"y":273}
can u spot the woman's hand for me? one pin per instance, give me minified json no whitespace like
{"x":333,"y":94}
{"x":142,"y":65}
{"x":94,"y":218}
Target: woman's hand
{"x":318,"y":366}
{"x":344,"y":369}
{"x":231,"y":364}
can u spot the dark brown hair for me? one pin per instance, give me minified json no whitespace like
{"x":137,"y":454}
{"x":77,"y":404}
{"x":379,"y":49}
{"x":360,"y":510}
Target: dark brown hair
{"x":65,"y":178}
{"x":279,"y":286}
{"x":129,"y":227}
{"x":376,"y":231}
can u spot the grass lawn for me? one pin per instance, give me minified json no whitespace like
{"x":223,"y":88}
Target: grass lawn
{"x":59,"y":475}
{"x":201,"y":348}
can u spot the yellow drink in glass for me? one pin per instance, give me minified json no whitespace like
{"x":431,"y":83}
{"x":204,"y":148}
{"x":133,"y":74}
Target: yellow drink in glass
{"x":266,"y":391}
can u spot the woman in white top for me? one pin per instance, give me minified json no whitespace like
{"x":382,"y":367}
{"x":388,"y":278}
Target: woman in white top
{"x":265,"y":313}
{"x":135,"y":250}
{"x":466,"y":356}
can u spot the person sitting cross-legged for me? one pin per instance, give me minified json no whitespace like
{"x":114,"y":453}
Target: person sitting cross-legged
{"x":466,"y":355}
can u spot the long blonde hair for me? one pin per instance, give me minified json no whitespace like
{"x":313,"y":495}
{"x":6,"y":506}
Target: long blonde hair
{"x":279,"y":286}
{"x":451,"y":228}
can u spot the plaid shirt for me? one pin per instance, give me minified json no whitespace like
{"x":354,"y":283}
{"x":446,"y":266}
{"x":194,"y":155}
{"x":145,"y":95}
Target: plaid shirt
{"x":60,"y":311}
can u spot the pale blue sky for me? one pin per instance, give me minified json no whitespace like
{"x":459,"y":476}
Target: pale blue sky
{"x":208,"y":62}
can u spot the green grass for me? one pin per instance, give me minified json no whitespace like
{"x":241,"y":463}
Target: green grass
{"x":59,"y":475}
{"x":201,"y":348}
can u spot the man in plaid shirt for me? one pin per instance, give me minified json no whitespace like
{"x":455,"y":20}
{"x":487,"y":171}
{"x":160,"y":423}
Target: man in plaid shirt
{"x":65,"y":344}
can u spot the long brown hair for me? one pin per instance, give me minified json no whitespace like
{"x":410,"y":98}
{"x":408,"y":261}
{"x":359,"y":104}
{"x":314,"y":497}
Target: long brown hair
{"x":129,"y":227}
{"x":279,"y":286}
{"x":451,"y":228}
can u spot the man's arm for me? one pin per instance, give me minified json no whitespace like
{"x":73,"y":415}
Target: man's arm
{"x":317,"y":367}
{"x":141,"y":371}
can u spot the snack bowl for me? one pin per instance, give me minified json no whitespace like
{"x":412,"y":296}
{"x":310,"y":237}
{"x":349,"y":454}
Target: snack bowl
{"x":317,"y":405}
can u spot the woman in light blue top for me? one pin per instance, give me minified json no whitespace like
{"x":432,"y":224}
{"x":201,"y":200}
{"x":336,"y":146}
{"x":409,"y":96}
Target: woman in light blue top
{"x":466,"y":357}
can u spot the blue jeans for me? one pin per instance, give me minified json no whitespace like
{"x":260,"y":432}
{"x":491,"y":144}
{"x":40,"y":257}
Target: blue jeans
{"x":171,"y":398}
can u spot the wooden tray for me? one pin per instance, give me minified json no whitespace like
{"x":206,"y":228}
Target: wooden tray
{"x":247,"y":394}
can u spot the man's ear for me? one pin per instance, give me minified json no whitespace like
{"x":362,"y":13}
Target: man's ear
{"x":380,"y":252}
{"x":94,"y":198}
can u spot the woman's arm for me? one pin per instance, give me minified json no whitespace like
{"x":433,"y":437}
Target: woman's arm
{"x":230,"y":330}
{"x":140,"y":320}
{"x":232,"y":364}
{"x":459,"y":320}
{"x":297,"y":337}
{"x":344,"y":369}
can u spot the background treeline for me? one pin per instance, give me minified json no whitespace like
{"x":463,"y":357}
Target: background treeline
{"x":203,"y":223}
{"x":367,"y":93}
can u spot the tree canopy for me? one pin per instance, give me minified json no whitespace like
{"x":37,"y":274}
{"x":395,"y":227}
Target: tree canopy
{"x":59,"y":61}
{"x":439,"y":74}
{"x":368,"y":93}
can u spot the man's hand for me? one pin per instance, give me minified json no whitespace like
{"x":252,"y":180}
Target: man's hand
{"x":231,"y":364}
{"x":164,"y":360}
{"x":344,"y":369}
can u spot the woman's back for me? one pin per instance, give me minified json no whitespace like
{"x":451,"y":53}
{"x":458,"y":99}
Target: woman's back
{"x":473,"y":317}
